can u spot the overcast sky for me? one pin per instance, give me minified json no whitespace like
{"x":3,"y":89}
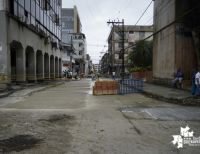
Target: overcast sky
{"x":94,"y":15}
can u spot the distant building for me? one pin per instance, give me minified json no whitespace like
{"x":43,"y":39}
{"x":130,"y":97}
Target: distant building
{"x":79,"y":44}
{"x":72,"y":34}
{"x":88,"y":65}
{"x":67,"y":57}
{"x":104,"y":64}
{"x":30,"y":38}
{"x":97,"y":68}
{"x":71,"y":23}
{"x":132,"y":34}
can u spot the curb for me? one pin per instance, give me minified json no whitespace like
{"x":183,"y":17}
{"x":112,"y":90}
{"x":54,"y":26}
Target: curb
{"x":43,"y":88}
{"x":189,"y":101}
{"x":6,"y":94}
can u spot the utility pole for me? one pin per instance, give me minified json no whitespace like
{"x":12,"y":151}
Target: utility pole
{"x":123,"y":40}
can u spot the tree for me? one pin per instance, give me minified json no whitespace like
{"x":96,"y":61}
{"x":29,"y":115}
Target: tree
{"x":141,"y":56}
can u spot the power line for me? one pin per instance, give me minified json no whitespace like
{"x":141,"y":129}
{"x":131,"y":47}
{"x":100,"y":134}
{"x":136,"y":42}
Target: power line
{"x":162,"y":9}
{"x":168,"y":25}
{"x":97,"y":45}
{"x":144,"y":12}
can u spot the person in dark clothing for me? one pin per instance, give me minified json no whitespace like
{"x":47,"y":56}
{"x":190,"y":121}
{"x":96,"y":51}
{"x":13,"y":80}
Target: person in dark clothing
{"x":193,"y":90}
{"x":178,"y":78}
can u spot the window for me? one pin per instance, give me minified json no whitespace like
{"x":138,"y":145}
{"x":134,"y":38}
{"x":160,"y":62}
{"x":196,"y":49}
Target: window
{"x":63,"y":24}
{"x":21,"y":2}
{"x":141,"y":35}
{"x":120,"y":45}
{"x":59,"y":2}
{"x":27,"y":5}
{"x":43,"y":14}
{"x":37,"y":11}
{"x":46,"y":5}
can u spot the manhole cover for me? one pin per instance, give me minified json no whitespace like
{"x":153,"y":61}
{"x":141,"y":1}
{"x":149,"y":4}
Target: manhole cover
{"x":19,"y":143}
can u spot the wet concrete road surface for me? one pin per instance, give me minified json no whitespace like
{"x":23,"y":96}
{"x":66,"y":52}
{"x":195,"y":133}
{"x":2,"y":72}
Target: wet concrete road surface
{"x":67,"y":119}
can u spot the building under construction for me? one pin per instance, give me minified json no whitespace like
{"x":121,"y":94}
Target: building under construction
{"x":176,"y":38}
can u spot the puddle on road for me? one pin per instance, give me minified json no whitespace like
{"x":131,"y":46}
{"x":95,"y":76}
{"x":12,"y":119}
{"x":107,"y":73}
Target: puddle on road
{"x":19,"y":143}
{"x":56,"y":118}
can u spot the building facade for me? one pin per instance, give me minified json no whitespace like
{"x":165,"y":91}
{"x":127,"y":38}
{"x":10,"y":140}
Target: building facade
{"x":71,"y":23}
{"x":71,"y":34}
{"x":131,"y":35}
{"x":176,"y":39}
{"x":105,"y":64}
{"x":79,"y":44}
{"x":88,"y":65}
{"x":96,"y":68}
{"x":67,"y":57}
{"x":30,"y":38}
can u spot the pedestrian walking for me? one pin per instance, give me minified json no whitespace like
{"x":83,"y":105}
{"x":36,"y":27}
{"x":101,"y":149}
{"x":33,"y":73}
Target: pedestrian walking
{"x":113,"y":75}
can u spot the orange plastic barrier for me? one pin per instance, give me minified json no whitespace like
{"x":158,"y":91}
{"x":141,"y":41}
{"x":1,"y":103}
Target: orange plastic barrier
{"x":105,"y":88}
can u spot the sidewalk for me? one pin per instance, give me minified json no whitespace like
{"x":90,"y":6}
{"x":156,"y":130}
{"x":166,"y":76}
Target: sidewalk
{"x":171,"y":95}
{"x":27,"y":88}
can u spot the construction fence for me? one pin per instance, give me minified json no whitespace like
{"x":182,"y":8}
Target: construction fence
{"x":114,"y":87}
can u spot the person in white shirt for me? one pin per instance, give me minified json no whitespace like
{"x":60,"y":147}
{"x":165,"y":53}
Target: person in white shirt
{"x":113,"y":75}
{"x":197,"y":83}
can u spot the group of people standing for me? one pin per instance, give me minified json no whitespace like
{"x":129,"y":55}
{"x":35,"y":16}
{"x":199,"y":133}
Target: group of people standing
{"x":178,"y":81}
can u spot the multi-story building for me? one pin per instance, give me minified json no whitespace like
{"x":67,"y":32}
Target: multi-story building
{"x":131,"y":35}
{"x":67,"y":57}
{"x":104,"y":64}
{"x":97,"y":68}
{"x":70,"y":23}
{"x":176,"y":39}
{"x":79,"y":44}
{"x":71,"y":34}
{"x":88,"y":65}
{"x":30,"y":37}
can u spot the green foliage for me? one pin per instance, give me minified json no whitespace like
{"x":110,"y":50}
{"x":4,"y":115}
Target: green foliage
{"x":140,"y":69}
{"x":141,"y":56}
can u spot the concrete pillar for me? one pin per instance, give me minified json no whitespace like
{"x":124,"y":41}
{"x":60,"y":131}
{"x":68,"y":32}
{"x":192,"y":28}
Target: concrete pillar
{"x":52,"y":67}
{"x":43,"y":73}
{"x":60,"y":68}
{"x":4,"y":50}
{"x":56,"y":67}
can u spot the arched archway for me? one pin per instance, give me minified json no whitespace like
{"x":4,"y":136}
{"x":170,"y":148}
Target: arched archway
{"x":17,"y":62}
{"x":52,"y":67}
{"x":30,"y":64}
{"x":39,"y":65}
{"x":46,"y":66}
